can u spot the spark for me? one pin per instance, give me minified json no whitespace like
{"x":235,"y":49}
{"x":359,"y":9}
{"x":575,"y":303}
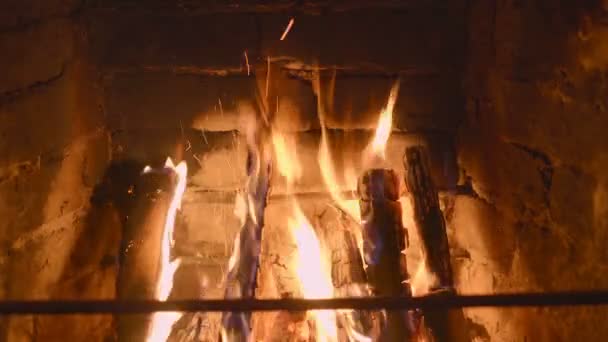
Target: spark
{"x":204,"y":137}
{"x":267,"y":76}
{"x":288,"y":28}
{"x":197,"y":158}
{"x":221,"y":108}
{"x":247,"y":63}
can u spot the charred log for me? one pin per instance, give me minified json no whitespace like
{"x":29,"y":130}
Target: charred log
{"x":431,"y":228}
{"x":139,"y":256}
{"x":383,"y":240}
{"x":244,"y":262}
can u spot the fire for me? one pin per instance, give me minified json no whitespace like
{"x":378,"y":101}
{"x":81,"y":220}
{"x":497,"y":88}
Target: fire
{"x":351,"y":207}
{"x":422,"y":280}
{"x":162,"y":322}
{"x":385,"y":124}
{"x":311,"y":264}
{"x":314,"y":273}
{"x":288,"y":164}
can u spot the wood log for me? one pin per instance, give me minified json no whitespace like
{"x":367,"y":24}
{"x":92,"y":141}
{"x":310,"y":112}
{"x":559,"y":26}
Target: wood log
{"x":139,"y":255}
{"x":242,"y":275}
{"x":383,"y":240}
{"x":431,"y":228}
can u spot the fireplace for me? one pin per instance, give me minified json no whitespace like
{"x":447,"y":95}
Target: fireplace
{"x":141,"y":140}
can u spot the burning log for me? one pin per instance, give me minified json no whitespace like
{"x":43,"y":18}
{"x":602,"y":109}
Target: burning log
{"x":244,"y":262}
{"x":430,"y":225}
{"x":383,"y":240}
{"x":140,"y":250}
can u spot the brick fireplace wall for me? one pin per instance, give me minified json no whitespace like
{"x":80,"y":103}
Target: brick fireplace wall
{"x":508,"y":95}
{"x":53,"y":149}
{"x":533,"y":148}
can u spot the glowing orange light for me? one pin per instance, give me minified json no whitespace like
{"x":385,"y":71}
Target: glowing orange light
{"x":162,"y":322}
{"x":286,"y":156}
{"x":288,"y":28}
{"x":314,"y":273}
{"x":385,"y":124}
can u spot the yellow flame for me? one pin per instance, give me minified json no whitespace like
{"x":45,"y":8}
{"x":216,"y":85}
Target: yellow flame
{"x":314,"y":273}
{"x":162,"y":322}
{"x":422,"y":280}
{"x":311,"y":264}
{"x":385,"y":124}
{"x":328,"y":173}
{"x":286,"y":156}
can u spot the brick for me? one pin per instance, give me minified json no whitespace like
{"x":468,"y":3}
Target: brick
{"x":388,"y":40}
{"x":217,"y":160}
{"x":41,"y":122}
{"x":164,"y":99}
{"x":571,"y":199}
{"x":213,"y":41}
{"x":147,"y":100}
{"x":258,"y":6}
{"x":423,"y":103}
{"x":37,"y":54}
{"x":15,"y":14}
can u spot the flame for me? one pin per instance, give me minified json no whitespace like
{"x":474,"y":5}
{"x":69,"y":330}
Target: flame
{"x":311,"y":264}
{"x":286,"y":156}
{"x":162,"y":322}
{"x":422,"y":280}
{"x":314,"y":273}
{"x":328,"y":173}
{"x":385,"y":124}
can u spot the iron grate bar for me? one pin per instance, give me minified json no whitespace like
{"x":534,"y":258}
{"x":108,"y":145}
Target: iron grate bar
{"x":54,"y":307}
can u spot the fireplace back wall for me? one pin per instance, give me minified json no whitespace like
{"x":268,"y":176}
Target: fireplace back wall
{"x":508,"y":97}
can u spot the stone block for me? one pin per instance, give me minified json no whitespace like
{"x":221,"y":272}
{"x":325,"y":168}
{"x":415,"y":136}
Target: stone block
{"x":424,"y":102}
{"x":17,"y":14}
{"x":40,"y":123}
{"x":505,"y":175}
{"x":571,"y":201}
{"x":214,"y":42}
{"x":375,"y":39}
{"x":38,"y":54}
{"x":167,"y":100}
{"x":484,"y":233}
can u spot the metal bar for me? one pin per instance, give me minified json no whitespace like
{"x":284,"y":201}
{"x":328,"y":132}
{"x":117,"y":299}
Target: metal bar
{"x":247,"y":305}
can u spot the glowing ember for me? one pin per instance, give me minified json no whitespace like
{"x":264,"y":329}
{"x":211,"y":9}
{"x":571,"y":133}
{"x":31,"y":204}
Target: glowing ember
{"x":385,"y":124}
{"x":288,"y":28}
{"x":162,"y":322}
{"x":247,"y":63}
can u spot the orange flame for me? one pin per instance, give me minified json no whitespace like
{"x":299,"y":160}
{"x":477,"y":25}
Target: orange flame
{"x":314,"y":273}
{"x":311,"y":263}
{"x":162,"y":322}
{"x":328,"y":173}
{"x":422,"y":280}
{"x":385,"y":124}
{"x":288,"y":163}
